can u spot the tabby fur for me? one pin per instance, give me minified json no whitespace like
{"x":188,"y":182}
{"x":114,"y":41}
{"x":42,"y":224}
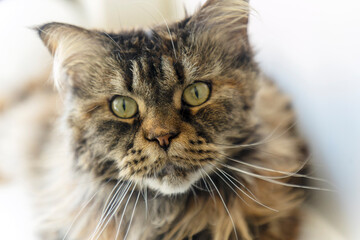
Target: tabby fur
{"x":239,"y":149}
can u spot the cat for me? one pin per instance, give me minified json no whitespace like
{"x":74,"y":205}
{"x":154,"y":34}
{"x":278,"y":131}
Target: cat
{"x":167,"y":133}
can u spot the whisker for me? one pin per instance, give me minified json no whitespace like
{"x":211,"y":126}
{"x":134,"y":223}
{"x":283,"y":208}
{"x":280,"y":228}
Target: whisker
{"x":109,"y":217}
{"x":131,"y":218}
{"x":267,"y":139}
{"x":167,"y":27}
{"x":237,"y":194}
{"x":113,"y":41}
{"x":146,"y":202}
{"x":226,"y":208}
{"x":254,"y":199}
{"x":287,"y":174}
{"x":78,"y":214}
{"x":268,"y":179}
{"x":123,"y":213}
{"x":107,"y":206}
{"x":204,"y":180}
{"x":241,"y":184}
{"x":194,"y":194}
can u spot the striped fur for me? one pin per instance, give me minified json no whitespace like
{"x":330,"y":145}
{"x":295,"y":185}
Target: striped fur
{"x":99,"y":152}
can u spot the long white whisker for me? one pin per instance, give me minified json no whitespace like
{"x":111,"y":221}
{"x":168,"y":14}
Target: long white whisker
{"x":78,"y":214}
{"x":109,"y":217}
{"x":241,"y":184}
{"x":132,"y":215}
{"x":204,"y":180}
{"x":146,"y":202}
{"x":123,"y":213}
{"x":237,"y":194}
{"x":254,"y":199}
{"x":267,"y":139}
{"x":106,"y":206}
{"x":274,"y":181}
{"x":287,"y":174}
{"x":226,"y":208}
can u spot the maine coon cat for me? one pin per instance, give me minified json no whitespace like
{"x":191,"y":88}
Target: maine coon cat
{"x":168,"y":133}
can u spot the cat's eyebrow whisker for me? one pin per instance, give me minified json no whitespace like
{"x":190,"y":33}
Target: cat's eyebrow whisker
{"x":269,"y":179}
{"x":113,"y":41}
{"x":226,"y":208}
{"x":131,"y":218}
{"x":123,"y":213}
{"x":92,"y":109}
{"x":167,"y":27}
{"x":254,"y":199}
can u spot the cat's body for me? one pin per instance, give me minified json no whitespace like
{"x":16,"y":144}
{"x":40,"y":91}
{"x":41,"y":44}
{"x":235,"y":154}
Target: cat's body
{"x":221,"y":169}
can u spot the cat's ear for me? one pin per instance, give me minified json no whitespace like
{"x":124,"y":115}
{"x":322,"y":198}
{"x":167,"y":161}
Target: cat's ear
{"x":224,"y":21}
{"x":73,"y":48}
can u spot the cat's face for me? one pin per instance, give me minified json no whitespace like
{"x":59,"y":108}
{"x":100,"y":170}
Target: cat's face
{"x":152,"y":107}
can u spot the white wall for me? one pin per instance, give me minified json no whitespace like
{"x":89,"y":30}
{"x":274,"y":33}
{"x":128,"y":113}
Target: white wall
{"x":312,"y":49}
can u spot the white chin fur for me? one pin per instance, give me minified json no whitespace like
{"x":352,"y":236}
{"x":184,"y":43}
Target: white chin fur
{"x":170,"y":185}
{"x":167,"y":188}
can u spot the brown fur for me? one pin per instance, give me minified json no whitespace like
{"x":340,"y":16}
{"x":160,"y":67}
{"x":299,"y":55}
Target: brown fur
{"x":97,"y":152}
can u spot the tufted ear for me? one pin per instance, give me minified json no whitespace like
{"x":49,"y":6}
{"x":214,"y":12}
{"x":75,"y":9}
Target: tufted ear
{"x":75,"y":51}
{"x":224,"y":21}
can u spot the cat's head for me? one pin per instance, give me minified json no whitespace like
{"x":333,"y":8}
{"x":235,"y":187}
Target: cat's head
{"x":155,"y":106}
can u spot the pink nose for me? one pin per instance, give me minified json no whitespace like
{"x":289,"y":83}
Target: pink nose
{"x":164,"y":141}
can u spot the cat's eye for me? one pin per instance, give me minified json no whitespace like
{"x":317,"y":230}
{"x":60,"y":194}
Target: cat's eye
{"x":196,"y":94}
{"x":124,"y":107}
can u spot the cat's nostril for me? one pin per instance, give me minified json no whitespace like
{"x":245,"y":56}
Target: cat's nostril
{"x":164,"y":141}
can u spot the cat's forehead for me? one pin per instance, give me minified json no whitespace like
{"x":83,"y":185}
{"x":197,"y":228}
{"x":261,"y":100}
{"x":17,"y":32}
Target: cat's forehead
{"x":151,"y":41}
{"x":149,"y":64}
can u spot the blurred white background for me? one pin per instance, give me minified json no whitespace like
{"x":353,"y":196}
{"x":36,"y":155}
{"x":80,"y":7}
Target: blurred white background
{"x":311,"y":48}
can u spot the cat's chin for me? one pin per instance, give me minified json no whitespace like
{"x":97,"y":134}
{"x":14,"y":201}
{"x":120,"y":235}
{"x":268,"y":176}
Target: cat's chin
{"x":168,"y":188}
{"x":172,"y":184}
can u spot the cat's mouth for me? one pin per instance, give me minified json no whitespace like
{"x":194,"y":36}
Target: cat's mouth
{"x":172,"y":170}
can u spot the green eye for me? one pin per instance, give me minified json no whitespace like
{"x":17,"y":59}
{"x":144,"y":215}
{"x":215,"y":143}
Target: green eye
{"x":124,"y":107}
{"x":196,"y":94}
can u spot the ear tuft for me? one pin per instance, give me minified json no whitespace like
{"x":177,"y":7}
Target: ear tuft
{"x":224,"y":20}
{"x":75,"y":50}
{"x":53,"y":34}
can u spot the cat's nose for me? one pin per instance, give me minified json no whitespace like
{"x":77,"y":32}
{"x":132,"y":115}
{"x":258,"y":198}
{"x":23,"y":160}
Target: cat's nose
{"x":164,"y":140}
